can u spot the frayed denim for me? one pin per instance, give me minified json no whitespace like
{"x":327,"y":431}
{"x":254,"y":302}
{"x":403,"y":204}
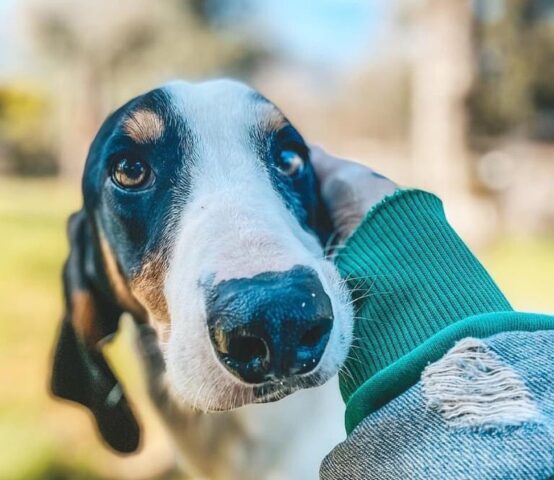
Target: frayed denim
{"x":484,"y":411}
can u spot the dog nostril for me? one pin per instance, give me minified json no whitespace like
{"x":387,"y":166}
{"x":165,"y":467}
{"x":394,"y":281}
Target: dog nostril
{"x":314,"y":335}
{"x":246,"y":349}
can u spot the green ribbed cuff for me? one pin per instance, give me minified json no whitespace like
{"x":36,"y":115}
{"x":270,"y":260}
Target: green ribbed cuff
{"x":411,"y":276}
{"x":398,"y":377}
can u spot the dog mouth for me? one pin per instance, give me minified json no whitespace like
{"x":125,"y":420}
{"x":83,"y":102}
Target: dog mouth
{"x":276,"y":390}
{"x":270,"y":391}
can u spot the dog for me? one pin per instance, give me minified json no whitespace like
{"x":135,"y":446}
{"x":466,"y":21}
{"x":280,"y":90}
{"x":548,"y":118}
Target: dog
{"x":203,"y":220}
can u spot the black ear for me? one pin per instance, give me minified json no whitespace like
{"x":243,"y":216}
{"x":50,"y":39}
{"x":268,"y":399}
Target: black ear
{"x":80,"y":372}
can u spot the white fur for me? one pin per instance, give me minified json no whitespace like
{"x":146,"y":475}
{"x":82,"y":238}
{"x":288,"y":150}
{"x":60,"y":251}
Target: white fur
{"x":235,"y":225}
{"x":284,"y":440}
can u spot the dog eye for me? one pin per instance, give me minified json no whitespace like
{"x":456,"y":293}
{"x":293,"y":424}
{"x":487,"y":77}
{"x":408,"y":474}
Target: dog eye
{"x":131,"y":173}
{"x":290,"y":163}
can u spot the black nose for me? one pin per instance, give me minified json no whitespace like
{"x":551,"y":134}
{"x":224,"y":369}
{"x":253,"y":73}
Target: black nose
{"x":271,"y":326}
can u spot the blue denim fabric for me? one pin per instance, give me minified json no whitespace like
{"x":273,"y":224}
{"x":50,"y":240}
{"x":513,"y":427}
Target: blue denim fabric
{"x":411,"y":439}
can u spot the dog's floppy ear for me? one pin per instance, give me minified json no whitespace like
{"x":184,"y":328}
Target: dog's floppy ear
{"x":80,"y":372}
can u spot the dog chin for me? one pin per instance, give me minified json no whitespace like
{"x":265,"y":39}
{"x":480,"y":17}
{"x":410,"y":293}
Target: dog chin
{"x":274,"y":391}
{"x":268,"y":392}
{"x":238,"y":395}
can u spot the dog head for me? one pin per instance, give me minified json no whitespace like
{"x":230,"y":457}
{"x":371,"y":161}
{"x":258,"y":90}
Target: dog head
{"x":201,"y":216}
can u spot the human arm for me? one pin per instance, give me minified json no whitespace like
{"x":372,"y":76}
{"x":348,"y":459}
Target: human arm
{"x":418,"y":291}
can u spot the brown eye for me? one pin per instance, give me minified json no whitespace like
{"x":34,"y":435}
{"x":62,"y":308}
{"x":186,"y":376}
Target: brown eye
{"x":131,"y":173}
{"x":290,"y":163}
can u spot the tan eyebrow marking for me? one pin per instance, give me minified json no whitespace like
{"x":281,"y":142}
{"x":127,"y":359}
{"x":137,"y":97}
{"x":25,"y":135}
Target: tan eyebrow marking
{"x":144,"y":126}
{"x":271,"y":119}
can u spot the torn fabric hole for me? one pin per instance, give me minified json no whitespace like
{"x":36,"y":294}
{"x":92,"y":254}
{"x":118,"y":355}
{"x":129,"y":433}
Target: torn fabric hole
{"x":471,"y":387}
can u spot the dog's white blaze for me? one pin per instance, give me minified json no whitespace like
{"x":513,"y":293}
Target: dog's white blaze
{"x":234,"y":225}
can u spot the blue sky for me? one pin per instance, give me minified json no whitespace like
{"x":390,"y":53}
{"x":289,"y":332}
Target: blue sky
{"x":7,"y":54}
{"x":331,"y":32}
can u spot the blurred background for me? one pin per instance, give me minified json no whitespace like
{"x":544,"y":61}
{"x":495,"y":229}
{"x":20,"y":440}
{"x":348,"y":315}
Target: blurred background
{"x":454,"y":96}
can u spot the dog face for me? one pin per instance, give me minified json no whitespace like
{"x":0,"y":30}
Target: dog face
{"x":206,"y":220}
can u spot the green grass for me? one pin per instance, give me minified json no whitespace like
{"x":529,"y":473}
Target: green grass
{"x":45,"y":439}
{"x":524,"y":270}
{"x":32,"y":217}
{"x":42,"y":438}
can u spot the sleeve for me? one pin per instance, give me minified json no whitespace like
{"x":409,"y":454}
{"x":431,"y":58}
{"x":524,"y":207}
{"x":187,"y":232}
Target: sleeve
{"x":417,"y":291}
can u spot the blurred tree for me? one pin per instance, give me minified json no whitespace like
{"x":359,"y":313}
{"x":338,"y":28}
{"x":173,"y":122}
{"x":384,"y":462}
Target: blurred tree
{"x":442,"y":72}
{"x":103,"y":51}
{"x":514,"y":87}
{"x":219,"y":12}
{"x":541,"y":15}
{"x":25,"y":146}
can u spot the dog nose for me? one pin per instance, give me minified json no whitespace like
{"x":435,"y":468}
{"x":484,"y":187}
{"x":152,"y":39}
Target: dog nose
{"x":271,"y":326}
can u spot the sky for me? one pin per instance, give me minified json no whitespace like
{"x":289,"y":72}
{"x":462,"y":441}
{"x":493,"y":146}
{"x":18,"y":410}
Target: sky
{"x":322,"y":31}
{"x":6,"y":30}
{"x":333,"y":32}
